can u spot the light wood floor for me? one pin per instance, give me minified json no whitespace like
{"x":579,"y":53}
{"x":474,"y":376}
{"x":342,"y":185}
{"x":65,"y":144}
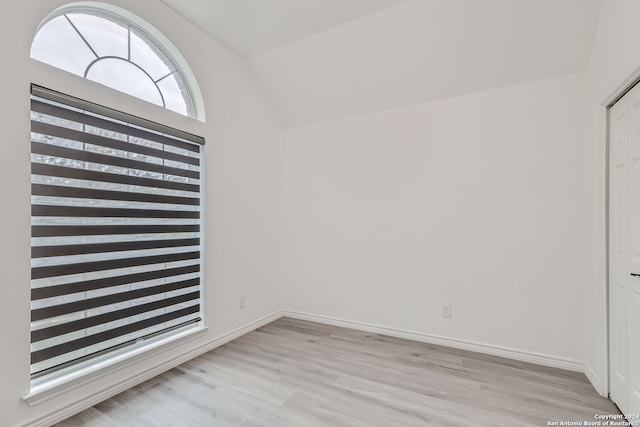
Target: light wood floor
{"x":295,"y":373}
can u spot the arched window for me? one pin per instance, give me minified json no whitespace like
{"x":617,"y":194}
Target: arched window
{"x":116,"y":236}
{"x":107,"y":48}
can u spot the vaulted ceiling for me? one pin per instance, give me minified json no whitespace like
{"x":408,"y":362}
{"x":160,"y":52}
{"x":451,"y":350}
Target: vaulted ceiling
{"x":321,"y":60}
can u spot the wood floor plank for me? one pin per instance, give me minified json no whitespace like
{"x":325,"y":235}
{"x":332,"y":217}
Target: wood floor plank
{"x":303,"y":374}
{"x":407,"y":400}
{"x":92,"y":418}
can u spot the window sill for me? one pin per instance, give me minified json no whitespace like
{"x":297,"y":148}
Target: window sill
{"x":82,"y":376}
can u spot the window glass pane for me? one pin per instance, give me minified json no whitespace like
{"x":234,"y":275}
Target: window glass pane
{"x":144,"y":55}
{"x":58,"y":44}
{"x":90,"y":44}
{"x":125,"y":77}
{"x":106,"y":37}
{"x":173,"y":96}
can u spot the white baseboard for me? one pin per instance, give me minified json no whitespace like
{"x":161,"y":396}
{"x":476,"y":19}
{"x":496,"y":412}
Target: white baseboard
{"x":91,"y":400}
{"x":594,"y":380}
{"x":523,"y":356}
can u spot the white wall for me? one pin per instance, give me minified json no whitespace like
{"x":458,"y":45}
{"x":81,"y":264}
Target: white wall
{"x":615,"y":54}
{"x":244,"y":195}
{"x":480,"y":201}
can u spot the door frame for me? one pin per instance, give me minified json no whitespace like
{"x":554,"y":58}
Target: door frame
{"x":632,"y":78}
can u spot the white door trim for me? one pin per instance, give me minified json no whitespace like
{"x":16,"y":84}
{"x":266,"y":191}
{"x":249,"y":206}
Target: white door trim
{"x":626,"y":83}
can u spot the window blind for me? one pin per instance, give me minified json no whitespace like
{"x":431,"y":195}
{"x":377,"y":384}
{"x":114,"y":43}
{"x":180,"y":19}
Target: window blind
{"x":115,"y":230}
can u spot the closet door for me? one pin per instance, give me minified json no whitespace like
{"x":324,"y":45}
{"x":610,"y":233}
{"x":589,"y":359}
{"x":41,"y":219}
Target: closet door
{"x":618,"y":271}
{"x":633,"y":286}
{"x":624,"y":252}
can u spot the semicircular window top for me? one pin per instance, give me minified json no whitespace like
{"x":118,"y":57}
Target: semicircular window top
{"x":109,"y":49}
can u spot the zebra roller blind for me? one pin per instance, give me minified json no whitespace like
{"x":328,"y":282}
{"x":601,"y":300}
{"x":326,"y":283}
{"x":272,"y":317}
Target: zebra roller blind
{"x":115,"y":230}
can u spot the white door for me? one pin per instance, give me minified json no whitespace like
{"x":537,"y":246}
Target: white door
{"x":618,"y":271}
{"x":633,"y":285}
{"x":624,"y":252}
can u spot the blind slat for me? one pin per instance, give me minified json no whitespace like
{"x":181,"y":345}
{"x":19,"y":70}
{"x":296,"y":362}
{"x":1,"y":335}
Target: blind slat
{"x":85,"y":267}
{"x":91,"y":212}
{"x":85,"y":193}
{"x":89,"y":156}
{"x":107,"y":282}
{"x":89,"y":303}
{"x":89,"y":175}
{"x":102,"y":141}
{"x":91,"y":230}
{"x":95,"y":248}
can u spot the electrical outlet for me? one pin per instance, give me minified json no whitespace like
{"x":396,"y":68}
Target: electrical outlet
{"x":242,"y":303}
{"x":446,"y":311}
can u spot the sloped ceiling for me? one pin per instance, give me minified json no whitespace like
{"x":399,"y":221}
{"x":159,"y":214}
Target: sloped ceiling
{"x":321,"y":60}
